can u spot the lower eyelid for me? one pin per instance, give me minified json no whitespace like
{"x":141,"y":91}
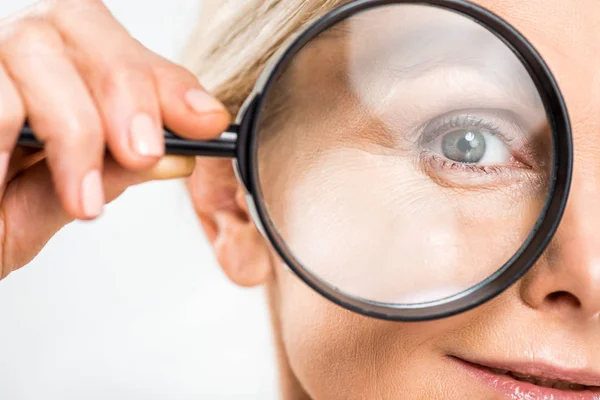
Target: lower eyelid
{"x":451,"y":175}
{"x":444,"y":163}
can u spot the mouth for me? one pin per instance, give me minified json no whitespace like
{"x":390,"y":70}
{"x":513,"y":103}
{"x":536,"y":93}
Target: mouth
{"x":534,"y":381}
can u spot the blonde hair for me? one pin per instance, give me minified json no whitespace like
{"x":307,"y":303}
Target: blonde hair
{"x":228,"y":50}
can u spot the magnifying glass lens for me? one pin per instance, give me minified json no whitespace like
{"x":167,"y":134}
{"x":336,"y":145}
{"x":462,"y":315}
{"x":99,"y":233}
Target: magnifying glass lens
{"x":404,"y":155}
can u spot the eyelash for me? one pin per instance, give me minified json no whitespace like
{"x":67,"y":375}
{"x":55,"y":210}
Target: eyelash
{"x":437,"y":162}
{"x":445,"y":124}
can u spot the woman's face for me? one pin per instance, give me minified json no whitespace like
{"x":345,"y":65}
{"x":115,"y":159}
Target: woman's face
{"x":392,"y":146}
{"x":539,"y":338}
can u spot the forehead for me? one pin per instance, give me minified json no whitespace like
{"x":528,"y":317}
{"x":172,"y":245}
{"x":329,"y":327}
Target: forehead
{"x":567,"y":34}
{"x":569,"y":24}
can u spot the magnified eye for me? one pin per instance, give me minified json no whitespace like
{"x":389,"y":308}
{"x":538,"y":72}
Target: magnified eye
{"x":472,"y":146}
{"x":468,"y":140}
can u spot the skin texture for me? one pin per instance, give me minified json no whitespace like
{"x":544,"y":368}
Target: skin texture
{"x":325,"y":352}
{"x":550,"y":316}
{"x":426,"y":215}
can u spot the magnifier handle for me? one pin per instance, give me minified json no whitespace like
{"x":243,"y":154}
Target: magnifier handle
{"x":224,"y":146}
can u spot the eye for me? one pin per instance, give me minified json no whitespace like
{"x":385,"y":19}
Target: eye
{"x":472,"y":146}
{"x":486,"y":149}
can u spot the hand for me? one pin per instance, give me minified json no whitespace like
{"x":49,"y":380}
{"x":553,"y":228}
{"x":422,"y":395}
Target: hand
{"x":85,"y":85}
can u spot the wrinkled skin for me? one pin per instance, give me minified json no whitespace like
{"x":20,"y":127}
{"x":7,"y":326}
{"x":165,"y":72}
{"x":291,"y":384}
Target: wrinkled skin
{"x":79,"y":102}
{"x":549,"y":317}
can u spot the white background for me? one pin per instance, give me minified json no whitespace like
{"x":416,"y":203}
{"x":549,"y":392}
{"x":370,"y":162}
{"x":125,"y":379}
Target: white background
{"x":133,"y":306}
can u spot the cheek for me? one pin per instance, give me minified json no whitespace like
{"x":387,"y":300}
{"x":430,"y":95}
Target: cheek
{"x":377,"y":228}
{"x":329,"y":349}
{"x":337,"y":354}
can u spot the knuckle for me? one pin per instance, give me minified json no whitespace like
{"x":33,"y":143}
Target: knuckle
{"x":182,"y":73}
{"x":11,"y":121}
{"x":61,"y":13}
{"x":58,"y":4}
{"x":178,"y":76}
{"x":114,"y":80}
{"x":35,"y":35}
{"x":13,"y":114}
{"x":65,"y":10}
{"x":79,"y":133}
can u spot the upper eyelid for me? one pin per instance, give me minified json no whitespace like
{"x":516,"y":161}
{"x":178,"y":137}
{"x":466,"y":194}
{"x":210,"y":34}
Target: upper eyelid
{"x":519,"y":144}
{"x":482,"y":118}
{"x":448,"y":126}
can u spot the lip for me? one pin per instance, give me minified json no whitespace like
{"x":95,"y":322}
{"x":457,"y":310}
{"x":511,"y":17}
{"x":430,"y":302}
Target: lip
{"x":514,"y":389}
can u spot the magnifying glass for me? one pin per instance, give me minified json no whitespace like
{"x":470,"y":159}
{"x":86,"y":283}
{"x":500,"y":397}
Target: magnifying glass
{"x":408,"y":160}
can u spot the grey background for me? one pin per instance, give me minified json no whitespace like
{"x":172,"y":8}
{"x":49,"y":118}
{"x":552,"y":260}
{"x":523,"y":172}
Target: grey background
{"x":133,"y":306}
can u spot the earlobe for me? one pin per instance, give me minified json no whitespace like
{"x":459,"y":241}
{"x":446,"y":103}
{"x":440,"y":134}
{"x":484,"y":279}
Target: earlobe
{"x":241,"y":250}
{"x":220,"y":203}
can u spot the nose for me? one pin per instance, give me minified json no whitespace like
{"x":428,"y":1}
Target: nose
{"x":566,"y":280}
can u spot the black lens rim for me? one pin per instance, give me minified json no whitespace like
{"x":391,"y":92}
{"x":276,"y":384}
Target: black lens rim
{"x":538,"y":239}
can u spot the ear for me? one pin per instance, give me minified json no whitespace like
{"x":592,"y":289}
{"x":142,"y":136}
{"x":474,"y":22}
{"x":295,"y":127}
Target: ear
{"x":221,"y":206}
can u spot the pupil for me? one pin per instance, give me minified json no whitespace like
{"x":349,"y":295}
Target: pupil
{"x":464,"y":146}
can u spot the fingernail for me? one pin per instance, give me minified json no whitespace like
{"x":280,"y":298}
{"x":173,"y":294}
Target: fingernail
{"x":92,"y":194}
{"x":202,"y":102}
{"x":146,"y":138}
{"x":4,"y":158}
